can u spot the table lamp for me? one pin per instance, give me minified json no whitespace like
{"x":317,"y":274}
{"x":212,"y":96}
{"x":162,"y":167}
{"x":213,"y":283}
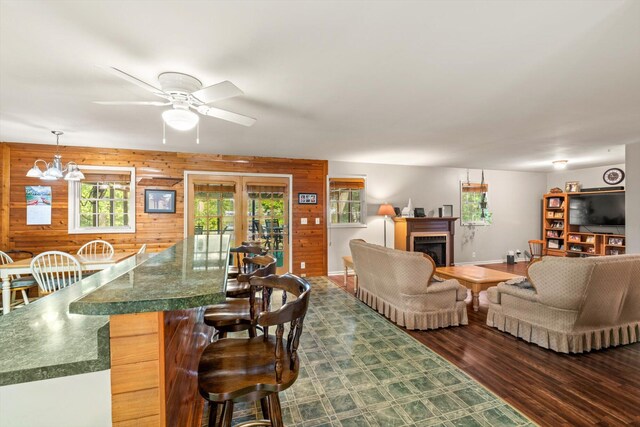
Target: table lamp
{"x":386,"y":210}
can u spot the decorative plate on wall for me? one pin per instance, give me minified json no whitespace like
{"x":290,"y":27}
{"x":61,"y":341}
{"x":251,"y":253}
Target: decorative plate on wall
{"x":613,"y":176}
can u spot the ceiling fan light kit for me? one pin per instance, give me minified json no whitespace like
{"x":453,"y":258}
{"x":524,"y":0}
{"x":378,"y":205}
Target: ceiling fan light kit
{"x":184,"y":93}
{"x":55,"y":170}
{"x":180,"y":119}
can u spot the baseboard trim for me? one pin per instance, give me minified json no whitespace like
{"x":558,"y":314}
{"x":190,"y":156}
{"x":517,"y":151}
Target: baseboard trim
{"x":341,"y":273}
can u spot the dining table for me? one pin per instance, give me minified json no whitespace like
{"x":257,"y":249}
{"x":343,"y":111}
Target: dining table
{"x":93,"y":262}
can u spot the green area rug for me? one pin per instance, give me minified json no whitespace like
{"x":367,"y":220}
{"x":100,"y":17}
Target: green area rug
{"x":358,"y":369}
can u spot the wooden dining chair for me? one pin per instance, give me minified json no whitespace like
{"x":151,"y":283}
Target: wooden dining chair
{"x":96,"y":247}
{"x":238,"y":313}
{"x":236,"y":370}
{"x":55,"y":270}
{"x":18,"y":283}
{"x":537,"y":249}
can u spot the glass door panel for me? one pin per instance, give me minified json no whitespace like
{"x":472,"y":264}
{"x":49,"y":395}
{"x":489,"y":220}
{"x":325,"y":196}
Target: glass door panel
{"x":267,"y":211}
{"x":213,"y":204}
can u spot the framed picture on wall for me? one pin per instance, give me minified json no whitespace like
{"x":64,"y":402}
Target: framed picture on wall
{"x":160,"y":201}
{"x":307,"y":198}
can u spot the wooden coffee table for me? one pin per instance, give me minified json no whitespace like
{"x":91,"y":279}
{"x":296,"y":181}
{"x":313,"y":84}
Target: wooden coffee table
{"x":475,"y":278}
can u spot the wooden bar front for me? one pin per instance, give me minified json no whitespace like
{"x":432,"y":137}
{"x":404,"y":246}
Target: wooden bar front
{"x":154,"y":361}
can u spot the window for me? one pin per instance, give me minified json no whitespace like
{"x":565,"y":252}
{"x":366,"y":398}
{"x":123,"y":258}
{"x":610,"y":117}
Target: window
{"x":104,"y":201}
{"x":347,"y":205}
{"x":474,"y":197}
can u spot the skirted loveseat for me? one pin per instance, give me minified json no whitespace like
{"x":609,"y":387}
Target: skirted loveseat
{"x":400,"y":285}
{"x":572,"y":305}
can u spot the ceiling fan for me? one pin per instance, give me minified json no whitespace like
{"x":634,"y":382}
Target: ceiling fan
{"x":184,"y":92}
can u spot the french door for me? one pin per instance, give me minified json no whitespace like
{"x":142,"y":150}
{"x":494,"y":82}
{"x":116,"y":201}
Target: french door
{"x":248,"y":208}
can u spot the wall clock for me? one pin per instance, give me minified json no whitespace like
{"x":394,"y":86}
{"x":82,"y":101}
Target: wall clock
{"x":613,"y":176}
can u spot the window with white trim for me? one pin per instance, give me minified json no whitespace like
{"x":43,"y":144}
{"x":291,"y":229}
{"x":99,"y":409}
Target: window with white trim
{"x":104,"y":201}
{"x":347,"y":202}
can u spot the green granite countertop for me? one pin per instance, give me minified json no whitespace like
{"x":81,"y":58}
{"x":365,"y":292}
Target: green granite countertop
{"x":190,"y":274}
{"x":51,"y":337}
{"x":43,"y":340}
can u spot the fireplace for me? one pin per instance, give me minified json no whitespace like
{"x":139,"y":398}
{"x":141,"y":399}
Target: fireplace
{"x":431,"y":235}
{"x":433,"y":244}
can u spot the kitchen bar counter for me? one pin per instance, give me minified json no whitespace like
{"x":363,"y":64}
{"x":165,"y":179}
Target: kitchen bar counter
{"x":189,"y":274}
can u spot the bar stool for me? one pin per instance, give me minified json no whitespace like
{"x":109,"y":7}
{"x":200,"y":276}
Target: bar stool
{"x":236,"y":370}
{"x":239,"y":287}
{"x":246,"y":250}
{"x":237,"y":313}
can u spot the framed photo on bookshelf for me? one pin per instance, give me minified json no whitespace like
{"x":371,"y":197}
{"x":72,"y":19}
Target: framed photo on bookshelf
{"x":572,"y":187}
{"x":590,"y":239}
{"x":618,"y":241}
{"x":555,"y":202}
{"x":553,"y":244}
{"x":574,"y":238}
{"x":614,"y":252}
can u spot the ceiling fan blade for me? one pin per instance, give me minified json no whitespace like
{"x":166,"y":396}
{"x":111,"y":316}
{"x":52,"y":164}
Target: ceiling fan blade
{"x":226,"y":115}
{"x":135,"y":81}
{"x":154,"y":103}
{"x":217,"y":92}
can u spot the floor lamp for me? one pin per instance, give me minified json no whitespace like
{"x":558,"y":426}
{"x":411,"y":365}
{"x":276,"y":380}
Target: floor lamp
{"x":386,"y":210}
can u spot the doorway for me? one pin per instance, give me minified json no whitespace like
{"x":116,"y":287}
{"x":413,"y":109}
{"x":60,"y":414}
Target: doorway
{"x":246,"y":207}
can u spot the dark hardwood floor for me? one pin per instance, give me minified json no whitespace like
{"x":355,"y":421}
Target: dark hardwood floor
{"x":598,"y":388}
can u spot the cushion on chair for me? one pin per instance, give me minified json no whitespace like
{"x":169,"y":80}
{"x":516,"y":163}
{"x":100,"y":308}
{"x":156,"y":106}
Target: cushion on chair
{"x":23,"y":282}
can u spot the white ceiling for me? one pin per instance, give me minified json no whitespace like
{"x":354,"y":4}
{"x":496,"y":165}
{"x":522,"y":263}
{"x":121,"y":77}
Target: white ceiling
{"x":494,"y":84}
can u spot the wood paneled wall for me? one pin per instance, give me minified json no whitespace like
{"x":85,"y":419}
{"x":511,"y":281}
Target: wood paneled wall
{"x":159,"y":231}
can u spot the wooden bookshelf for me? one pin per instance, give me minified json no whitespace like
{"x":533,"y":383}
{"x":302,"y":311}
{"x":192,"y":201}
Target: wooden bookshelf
{"x":570,"y":241}
{"x":554,"y":223}
{"x":595,"y":244}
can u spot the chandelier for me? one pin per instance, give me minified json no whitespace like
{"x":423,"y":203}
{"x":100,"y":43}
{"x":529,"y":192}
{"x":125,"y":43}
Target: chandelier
{"x":55,"y":170}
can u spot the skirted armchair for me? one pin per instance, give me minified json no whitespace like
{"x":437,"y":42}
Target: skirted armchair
{"x":401,"y":286}
{"x":572,"y":305}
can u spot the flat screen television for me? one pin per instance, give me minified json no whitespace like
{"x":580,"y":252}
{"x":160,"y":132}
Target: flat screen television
{"x":597,"y":209}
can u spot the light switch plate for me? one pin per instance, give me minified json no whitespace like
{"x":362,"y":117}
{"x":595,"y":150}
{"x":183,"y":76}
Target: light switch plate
{"x":317,"y":221}
{"x":303,"y":265}
{"x":303,"y":221}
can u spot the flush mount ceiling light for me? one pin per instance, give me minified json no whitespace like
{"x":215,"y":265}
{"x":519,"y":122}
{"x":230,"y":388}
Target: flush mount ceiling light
{"x":180,"y":119}
{"x":55,"y":170}
{"x":560,"y":164}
